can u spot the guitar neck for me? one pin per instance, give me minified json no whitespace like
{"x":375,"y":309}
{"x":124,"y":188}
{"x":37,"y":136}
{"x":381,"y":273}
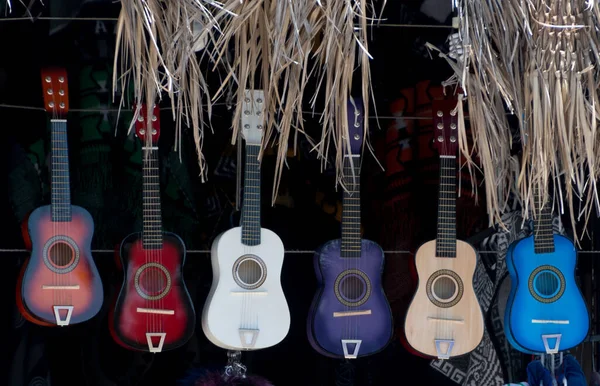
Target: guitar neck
{"x":446,"y":226}
{"x":152,"y":236}
{"x":543,"y":234}
{"x":251,"y":201}
{"x":60,"y":184}
{"x":351,"y":241}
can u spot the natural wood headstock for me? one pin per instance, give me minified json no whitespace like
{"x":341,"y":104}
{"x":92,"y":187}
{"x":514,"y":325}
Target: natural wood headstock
{"x":142,"y":127}
{"x":56,"y":91}
{"x":355,"y":126}
{"x":445,"y":125}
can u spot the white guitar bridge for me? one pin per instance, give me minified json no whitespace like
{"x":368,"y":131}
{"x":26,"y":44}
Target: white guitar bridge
{"x":151,"y":347}
{"x":354,"y":354}
{"x":60,"y":321}
{"x":444,"y":348}
{"x":248,"y":337}
{"x":546,"y":338}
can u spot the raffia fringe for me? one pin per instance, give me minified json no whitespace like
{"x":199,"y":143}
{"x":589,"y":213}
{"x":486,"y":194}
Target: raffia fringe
{"x":278,"y":46}
{"x":538,"y":60}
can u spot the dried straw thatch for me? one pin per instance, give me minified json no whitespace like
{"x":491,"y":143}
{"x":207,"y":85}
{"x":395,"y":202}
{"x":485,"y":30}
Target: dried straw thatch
{"x":538,"y":60}
{"x":278,"y":46}
{"x":155,"y":41}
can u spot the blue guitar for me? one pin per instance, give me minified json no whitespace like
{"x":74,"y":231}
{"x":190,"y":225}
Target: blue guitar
{"x":545,"y":312}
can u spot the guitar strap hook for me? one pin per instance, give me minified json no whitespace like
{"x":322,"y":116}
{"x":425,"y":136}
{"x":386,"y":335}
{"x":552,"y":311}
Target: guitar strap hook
{"x":234,"y":367}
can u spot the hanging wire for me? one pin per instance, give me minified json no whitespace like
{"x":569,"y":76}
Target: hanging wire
{"x":75,"y":18}
{"x":289,"y":251}
{"x":34,"y":108}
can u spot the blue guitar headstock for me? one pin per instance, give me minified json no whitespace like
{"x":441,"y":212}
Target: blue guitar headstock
{"x":355,"y":126}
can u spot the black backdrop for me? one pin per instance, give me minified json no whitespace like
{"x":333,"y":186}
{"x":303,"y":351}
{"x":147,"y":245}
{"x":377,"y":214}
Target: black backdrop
{"x":105,"y":181}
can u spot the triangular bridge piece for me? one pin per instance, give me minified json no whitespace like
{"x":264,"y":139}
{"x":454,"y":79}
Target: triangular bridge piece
{"x":547,"y":338}
{"x":151,"y":347}
{"x":67,"y":319}
{"x":443,"y":347}
{"x":248,"y":337}
{"x":356,"y":343}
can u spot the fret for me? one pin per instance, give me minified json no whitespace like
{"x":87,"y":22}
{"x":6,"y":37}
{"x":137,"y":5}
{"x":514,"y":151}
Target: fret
{"x":351,"y":218}
{"x":446,"y":223}
{"x":251,"y":201}
{"x":60,"y":185}
{"x":152,"y":233}
{"x":543,"y":231}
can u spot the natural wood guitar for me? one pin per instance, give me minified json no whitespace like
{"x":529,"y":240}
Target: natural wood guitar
{"x":444,"y":318}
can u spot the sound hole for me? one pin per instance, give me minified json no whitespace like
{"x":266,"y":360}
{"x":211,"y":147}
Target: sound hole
{"x":547,"y":283}
{"x":153,"y":281}
{"x":249,"y":272}
{"x":444,"y":288}
{"x":352,"y":288}
{"x":61,"y":254}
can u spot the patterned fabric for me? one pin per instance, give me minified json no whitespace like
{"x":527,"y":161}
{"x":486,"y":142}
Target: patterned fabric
{"x":494,"y":359}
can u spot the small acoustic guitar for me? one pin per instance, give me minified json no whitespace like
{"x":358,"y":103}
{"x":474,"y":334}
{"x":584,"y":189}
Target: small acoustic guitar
{"x":59,"y":284}
{"x":246,"y":308}
{"x":545,"y":312}
{"x":153,"y":311}
{"x":350,"y":316}
{"x":444,"y":318}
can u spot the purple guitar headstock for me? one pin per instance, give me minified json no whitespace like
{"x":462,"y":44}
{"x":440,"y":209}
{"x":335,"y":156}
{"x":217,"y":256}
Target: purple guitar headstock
{"x":355,"y":126}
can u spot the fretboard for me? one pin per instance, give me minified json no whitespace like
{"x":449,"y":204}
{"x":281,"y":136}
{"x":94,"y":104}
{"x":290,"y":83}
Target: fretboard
{"x":251,"y":200}
{"x":543,"y":234}
{"x":351,"y":240}
{"x":152,"y":237}
{"x":60,"y":186}
{"x":446,"y":225}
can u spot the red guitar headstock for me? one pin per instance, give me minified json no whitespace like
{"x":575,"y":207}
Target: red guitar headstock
{"x":445,"y":125}
{"x":148,"y":123}
{"x":56,"y":91}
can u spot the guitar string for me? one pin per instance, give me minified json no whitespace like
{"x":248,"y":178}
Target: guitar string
{"x":145,"y":241}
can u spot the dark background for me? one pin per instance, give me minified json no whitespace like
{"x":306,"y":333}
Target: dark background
{"x":398,"y":203}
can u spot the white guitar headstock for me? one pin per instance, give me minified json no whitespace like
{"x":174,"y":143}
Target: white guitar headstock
{"x":253,"y":116}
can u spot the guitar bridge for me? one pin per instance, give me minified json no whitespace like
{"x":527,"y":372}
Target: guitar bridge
{"x":443,"y":347}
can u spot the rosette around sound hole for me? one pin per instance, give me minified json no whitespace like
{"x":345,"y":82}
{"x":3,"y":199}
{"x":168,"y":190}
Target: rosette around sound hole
{"x":249,"y":272}
{"x":352,"y":288}
{"x":152,"y":281}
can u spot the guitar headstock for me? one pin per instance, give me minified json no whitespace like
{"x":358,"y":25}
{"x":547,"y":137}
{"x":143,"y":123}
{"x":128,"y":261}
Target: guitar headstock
{"x":56,"y":91}
{"x":253,"y":110}
{"x":142,"y":127}
{"x":445,"y":125}
{"x":355,"y":126}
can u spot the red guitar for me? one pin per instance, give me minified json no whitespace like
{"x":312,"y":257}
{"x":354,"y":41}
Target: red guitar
{"x":153,"y":311}
{"x":59,"y":284}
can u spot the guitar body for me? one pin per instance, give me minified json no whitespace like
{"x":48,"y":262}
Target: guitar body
{"x":543,"y":289}
{"x":246,"y":308}
{"x":61,"y":271}
{"x":347,"y":286}
{"x":153,"y":298}
{"x":442,"y":311}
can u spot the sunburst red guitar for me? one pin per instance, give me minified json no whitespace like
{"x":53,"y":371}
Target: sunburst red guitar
{"x":59,"y":284}
{"x":153,"y":311}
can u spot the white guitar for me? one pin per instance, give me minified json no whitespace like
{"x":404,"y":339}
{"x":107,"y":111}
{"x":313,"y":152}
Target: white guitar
{"x":246,"y":308}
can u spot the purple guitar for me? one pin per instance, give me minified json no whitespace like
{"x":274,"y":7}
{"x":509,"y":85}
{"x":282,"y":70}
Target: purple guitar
{"x":350,"y":316}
